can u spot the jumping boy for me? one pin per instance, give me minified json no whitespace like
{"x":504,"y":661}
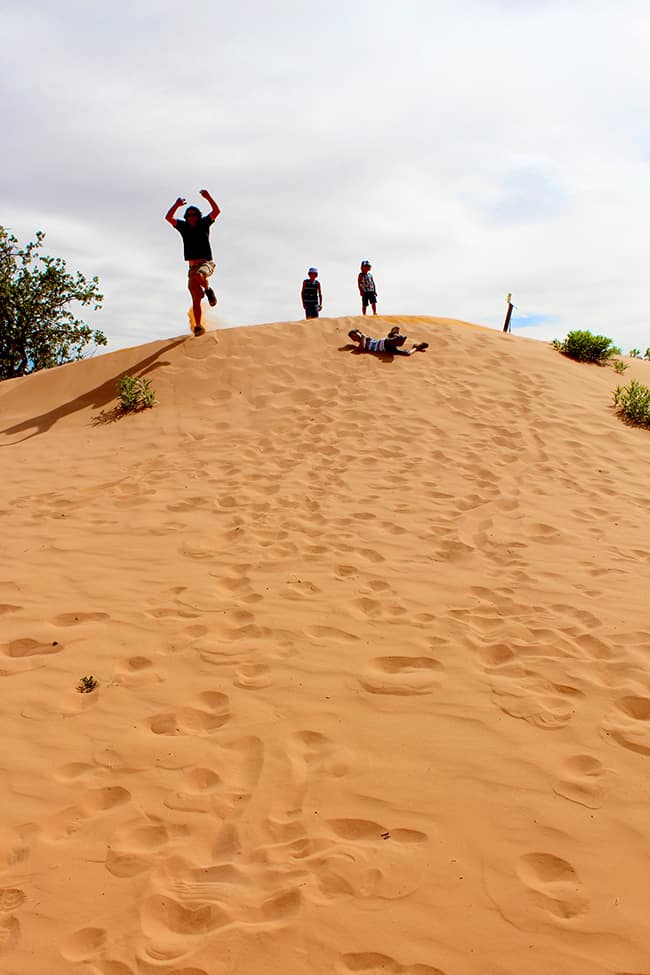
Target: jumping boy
{"x":311,"y":294}
{"x":367,"y":288}
{"x":391,"y":345}
{"x":195,"y":231}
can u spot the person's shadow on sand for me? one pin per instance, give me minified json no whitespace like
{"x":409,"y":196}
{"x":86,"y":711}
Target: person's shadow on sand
{"x":97,"y":397}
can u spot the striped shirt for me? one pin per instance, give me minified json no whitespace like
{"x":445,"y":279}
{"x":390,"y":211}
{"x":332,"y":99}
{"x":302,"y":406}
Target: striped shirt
{"x":310,"y":292}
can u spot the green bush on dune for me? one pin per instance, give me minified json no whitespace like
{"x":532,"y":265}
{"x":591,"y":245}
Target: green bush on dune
{"x":583,"y":346}
{"x":135,"y":394}
{"x":632,"y":402}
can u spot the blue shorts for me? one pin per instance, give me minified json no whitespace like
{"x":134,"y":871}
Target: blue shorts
{"x":368,"y":298}
{"x":311,"y":309}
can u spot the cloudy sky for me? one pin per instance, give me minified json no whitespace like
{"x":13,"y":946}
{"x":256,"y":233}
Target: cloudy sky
{"x":466,"y":147}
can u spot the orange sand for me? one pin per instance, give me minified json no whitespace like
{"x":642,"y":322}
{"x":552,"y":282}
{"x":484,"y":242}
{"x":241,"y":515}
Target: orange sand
{"x":372,"y":644}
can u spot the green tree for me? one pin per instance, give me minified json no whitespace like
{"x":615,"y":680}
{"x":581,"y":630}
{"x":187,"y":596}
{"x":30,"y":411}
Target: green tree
{"x":38,"y":329}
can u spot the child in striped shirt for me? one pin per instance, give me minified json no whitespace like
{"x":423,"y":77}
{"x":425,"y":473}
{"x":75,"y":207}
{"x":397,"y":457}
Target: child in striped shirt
{"x":311,"y":294}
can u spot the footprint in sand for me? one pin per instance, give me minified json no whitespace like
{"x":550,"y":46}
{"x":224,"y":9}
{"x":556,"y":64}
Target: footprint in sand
{"x":629,"y":723}
{"x":584,"y":781}
{"x":83,"y":945}
{"x":26,"y":647}
{"x":373,"y":963}
{"x":109,"y":967}
{"x":9,"y":933}
{"x":212,"y":715}
{"x":72,"y":771}
{"x":135,"y":671}
{"x":73,"y":619}
{"x":402,"y":675}
{"x":93,"y":803}
{"x":253,"y":676}
{"x":553,"y":883}
{"x":330,"y":633}
{"x":11,"y":898}
{"x":136,"y":848}
{"x":346,"y":571}
{"x":365,"y":831}
{"x":533,"y":699}
{"x":311,"y":751}
{"x":226,"y":792}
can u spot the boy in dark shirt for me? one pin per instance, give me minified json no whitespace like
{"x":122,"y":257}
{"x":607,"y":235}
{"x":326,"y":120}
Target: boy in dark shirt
{"x":391,"y":345}
{"x":195,"y":231}
{"x":311,"y":294}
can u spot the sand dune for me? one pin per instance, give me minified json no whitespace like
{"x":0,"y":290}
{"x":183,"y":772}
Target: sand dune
{"x":372,"y":644}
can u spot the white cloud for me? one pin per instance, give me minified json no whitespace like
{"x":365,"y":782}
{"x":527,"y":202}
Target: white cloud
{"x":468,"y":149}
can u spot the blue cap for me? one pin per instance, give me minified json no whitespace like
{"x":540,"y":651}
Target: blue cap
{"x":312,"y":270}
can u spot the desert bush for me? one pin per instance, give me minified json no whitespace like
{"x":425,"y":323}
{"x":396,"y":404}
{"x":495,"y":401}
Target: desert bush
{"x":584,"y":346}
{"x":87,"y":684}
{"x":646,"y":354}
{"x":635,"y":353}
{"x":620,"y":366}
{"x":135,"y":394}
{"x":632,"y":402}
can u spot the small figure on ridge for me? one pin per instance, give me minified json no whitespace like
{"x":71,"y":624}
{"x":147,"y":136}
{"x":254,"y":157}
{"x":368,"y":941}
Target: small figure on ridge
{"x":311,"y":294}
{"x":367,"y":288}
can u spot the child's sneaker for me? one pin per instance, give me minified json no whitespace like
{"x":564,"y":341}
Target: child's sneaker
{"x":199,"y":330}
{"x":210,"y":295}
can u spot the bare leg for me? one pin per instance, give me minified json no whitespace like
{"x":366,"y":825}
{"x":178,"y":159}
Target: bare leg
{"x":364,"y":309}
{"x":196,"y":290}
{"x":374,"y":308}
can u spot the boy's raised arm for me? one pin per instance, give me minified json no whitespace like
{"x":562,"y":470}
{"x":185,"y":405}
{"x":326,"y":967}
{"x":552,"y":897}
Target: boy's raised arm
{"x":214,"y":213}
{"x":170,"y":215}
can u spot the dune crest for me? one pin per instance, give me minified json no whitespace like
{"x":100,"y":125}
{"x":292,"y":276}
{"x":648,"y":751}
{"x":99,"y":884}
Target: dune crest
{"x":371,"y":645}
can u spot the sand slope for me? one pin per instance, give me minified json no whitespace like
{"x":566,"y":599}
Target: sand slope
{"x":373,"y":647}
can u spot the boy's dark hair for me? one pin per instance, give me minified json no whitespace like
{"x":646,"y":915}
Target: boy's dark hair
{"x":193,"y":210}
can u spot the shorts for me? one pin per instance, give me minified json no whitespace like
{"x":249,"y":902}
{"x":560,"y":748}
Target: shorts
{"x":368,"y":298}
{"x":311,"y":309}
{"x":205,"y":269}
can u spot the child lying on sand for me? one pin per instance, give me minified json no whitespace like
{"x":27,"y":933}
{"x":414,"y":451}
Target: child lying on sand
{"x":391,"y":345}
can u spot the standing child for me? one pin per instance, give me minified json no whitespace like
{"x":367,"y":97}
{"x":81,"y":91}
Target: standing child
{"x":367,"y":288}
{"x":195,"y":231}
{"x":311,"y":294}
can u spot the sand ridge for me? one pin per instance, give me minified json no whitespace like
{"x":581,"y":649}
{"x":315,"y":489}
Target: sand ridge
{"x":372,"y":646}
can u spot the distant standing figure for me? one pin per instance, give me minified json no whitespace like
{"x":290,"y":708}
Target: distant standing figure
{"x":367,"y":288}
{"x":311,"y":294}
{"x":195,"y":231}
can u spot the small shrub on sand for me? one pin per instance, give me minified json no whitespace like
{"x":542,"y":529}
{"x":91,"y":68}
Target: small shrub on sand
{"x":620,"y":366}
{"x":635,"y":353}
{"x":646,"y":354}
{"x":135,"y":394}
{"x":584,"y":346}
{"x":632,"y":402}
{"x":87,"y":684}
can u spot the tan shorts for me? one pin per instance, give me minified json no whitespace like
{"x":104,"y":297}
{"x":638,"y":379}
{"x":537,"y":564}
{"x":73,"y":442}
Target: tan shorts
{"x":205,"y":268}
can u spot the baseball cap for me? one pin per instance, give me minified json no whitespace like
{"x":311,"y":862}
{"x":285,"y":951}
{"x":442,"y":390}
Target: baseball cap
{"x":312,"y":270}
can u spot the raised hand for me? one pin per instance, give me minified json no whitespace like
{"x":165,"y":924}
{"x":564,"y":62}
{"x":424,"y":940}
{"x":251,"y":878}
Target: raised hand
{"x":181,"y":201}
{"x":205,"y":194}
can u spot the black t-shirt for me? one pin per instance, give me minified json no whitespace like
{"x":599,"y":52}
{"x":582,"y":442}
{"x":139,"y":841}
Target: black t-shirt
{"x":196,"y":240}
